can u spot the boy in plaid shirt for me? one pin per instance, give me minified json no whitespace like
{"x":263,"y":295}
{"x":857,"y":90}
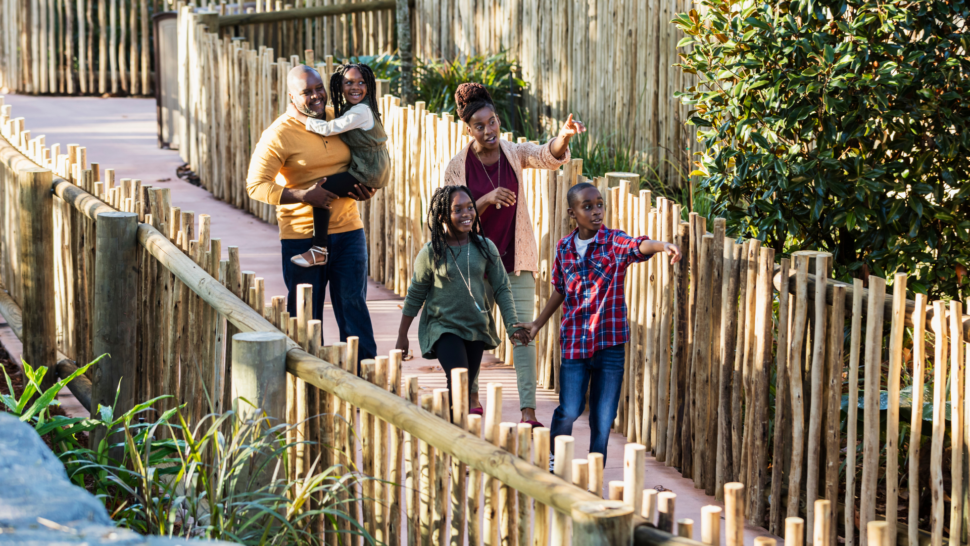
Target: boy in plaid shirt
{"x":588,"y":276}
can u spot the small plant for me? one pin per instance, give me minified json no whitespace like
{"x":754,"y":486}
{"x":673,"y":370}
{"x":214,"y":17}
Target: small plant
{"x":437,"y":81}
{"x":224,"y":479}
{"x":33,"y":410}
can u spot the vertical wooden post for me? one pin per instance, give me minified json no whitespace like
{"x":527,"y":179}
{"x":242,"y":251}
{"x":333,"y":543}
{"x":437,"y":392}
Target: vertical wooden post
{"x":37,"y":271}
{"x":649,"y":509}
{"x":115,"y":307}
{"x":879,"y":533}
{"x":711,"y":525}
{"x":405,"y":48}
{"x":259,"y":377}
{"x":734,"y":514}
{"x":634,"y":463}
{"x":823,"y":522}
{"x":794,"y":531}
{"x":563,"y":468}
{"x":665,"y":521}
{"x":815,"y":408}
{"x":685,"y":528}
{"x":919,"y":368}
{"x":870,"y":441}
{"x":602,"y":523}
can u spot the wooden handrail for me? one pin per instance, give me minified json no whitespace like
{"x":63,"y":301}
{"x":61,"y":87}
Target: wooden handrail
{"x":301,"y":13}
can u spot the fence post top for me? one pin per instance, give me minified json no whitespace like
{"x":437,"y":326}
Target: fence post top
{"x":601,"y":509}
{"x":257,"y":337}
{"x":35,"y":170}
{"x":117,"y":214}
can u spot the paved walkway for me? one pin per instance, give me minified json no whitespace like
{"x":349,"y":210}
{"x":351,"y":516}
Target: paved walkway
{"x":121,"y":134}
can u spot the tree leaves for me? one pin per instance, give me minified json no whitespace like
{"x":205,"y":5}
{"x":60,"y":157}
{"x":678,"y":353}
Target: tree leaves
{"x":842,"y":129}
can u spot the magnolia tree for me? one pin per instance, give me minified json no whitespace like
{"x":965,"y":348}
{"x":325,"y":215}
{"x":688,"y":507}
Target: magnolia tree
{"x":838,"y":125}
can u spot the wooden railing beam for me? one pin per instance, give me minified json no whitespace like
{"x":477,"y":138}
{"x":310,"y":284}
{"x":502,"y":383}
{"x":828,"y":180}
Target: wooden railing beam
{"x":302,"y":13}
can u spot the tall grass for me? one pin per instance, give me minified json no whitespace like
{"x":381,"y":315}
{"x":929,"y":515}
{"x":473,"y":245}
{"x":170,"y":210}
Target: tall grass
{"x":224,"y":479}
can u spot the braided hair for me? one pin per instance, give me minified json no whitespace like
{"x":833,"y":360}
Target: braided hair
{"x":439,"y":214}
{"x":470,"y":98}
{"x":337,"y":89}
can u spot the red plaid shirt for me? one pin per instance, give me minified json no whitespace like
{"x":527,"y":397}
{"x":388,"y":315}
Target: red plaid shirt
{"x":594,"y":311}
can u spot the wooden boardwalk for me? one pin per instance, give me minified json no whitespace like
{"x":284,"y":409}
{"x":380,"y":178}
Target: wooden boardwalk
{"x":120,"y":133}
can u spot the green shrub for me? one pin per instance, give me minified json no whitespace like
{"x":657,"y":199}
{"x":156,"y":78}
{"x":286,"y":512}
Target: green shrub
{"x":175,"y":481}
{"x":838,"y":125}
{"x":437,"y":81}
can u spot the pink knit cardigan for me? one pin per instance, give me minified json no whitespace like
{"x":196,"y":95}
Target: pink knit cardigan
{"x":521,"y":156}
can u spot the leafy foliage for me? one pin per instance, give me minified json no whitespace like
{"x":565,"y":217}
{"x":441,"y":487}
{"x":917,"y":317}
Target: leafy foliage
{"x":838,"y":125}
{"x":603,"y":154}
{"x":165,"y":478}
{"x":436,"y":81}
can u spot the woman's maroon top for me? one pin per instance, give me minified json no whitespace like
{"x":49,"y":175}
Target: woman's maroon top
{"x":499,"y":224}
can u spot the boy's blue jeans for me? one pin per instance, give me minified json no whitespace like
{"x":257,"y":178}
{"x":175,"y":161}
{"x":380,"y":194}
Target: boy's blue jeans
{"x":603,"y":374}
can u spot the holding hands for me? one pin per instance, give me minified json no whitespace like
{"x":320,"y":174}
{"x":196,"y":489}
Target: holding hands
{"x":523,"y":337}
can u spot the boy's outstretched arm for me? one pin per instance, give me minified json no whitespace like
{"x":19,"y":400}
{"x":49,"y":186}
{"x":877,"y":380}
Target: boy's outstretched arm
{"x":555,"y":300}
{"x":670,"y":249}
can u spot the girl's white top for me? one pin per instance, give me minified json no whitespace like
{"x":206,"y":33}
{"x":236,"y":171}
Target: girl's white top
{"x":358,"y":117}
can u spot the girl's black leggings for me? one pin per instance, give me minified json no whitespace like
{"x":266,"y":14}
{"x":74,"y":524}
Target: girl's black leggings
{"x":454,"y":352}
{"x":340,"y":184}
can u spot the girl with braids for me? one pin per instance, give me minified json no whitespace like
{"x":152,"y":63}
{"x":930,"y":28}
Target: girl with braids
{"x":353,"y":91}
{"x":491,"y":168}
{"x":457,"y":325}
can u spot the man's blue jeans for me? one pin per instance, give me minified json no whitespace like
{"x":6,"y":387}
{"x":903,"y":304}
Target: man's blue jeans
{"x":603,"y":374}
{"x":346,"y":273}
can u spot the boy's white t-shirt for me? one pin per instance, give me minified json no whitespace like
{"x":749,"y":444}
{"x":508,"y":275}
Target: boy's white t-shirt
{"x":582,"y":245}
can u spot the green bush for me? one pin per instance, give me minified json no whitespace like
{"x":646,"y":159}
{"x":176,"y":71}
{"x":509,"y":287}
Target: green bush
{"x":435,"y":82}
{"x":838,"y":125}
{"x":177,"y":481}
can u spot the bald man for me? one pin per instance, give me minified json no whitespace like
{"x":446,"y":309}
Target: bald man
{"x":286,"y":170}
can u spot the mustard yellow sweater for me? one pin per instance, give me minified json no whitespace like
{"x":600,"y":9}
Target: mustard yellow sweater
{"x":289,"y":156}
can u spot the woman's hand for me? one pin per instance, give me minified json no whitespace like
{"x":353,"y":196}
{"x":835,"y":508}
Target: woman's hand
{"x":522,"y":336}
{"x":571,"y":128}
{"x":502,"y":197}
{"x":559,"y":145}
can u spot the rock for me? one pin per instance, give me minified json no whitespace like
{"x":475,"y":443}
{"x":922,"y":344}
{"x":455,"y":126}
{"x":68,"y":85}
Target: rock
{"x":40,"y":506}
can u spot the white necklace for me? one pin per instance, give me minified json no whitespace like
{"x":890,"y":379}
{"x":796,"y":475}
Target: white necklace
{"x":494,"y":187}
{"x":466,"y":282}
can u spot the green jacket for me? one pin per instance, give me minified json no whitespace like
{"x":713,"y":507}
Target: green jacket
{"x":448,"y":307}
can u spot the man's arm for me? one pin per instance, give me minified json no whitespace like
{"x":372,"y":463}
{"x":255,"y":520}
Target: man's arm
{"x":265,"y":164}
